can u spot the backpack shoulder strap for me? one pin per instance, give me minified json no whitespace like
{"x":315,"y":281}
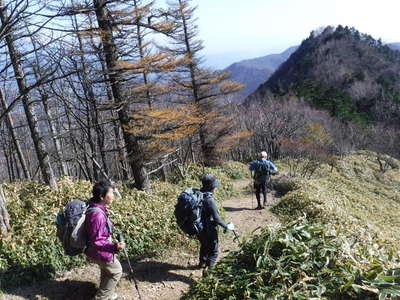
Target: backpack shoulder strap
{"x":108,"y":222}
{"x":92,"y":209}
{"x":206,"y":195}
{"x":199,"y":194}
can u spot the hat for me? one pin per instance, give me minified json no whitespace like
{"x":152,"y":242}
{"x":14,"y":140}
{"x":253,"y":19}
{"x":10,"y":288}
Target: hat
{"x":210,"y":181}
{"x":264,"y":154}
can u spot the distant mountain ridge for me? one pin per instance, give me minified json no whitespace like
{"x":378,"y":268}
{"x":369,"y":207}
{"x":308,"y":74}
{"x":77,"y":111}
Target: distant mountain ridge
{"x":255,"y":71}
{"x":394,"y":46}
{"x":350,"y":74}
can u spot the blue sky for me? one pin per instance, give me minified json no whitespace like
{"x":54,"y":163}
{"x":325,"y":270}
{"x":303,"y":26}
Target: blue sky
{"x":238,"y":29}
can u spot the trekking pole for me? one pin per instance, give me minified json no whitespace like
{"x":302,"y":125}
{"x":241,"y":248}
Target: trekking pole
{"x":236,"y":238}
{"x":252,"y":199}
{"x":252,"y":193}
{"x":131,"y":277}
{"x":236,"y":235}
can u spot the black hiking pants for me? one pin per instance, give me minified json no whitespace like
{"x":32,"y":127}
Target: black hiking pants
{"x":208,"y":246}
{"x":260,"y":187}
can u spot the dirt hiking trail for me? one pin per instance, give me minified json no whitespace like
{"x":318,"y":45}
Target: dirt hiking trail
{"x":161,"y":277}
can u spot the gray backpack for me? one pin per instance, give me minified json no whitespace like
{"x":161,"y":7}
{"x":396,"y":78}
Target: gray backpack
{"x":71,"y":226}
{"x":188,"y":211}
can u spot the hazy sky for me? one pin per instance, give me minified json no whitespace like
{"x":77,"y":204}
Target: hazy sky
{"x":238,"y":29}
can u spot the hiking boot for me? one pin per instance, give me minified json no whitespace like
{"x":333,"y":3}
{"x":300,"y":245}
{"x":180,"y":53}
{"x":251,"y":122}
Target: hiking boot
{"x":202,"y":264}
{"x":259,"y":207}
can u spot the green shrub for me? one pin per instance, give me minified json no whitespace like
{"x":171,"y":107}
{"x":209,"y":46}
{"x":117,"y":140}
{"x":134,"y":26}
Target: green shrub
{"x":283,"y":185}
{"x":32,"y":252}
{"x":235,"y":170}
{"x":300,"y":260}
{"x":354,"y":195}
{"x":355,"y":259}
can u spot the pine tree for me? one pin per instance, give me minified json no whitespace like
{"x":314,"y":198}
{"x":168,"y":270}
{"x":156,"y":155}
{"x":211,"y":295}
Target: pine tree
{"x":198,"y":85}
{"x":129,"y":61}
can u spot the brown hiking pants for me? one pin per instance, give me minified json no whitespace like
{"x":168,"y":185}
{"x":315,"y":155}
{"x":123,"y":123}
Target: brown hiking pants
{"x":110,"y":274}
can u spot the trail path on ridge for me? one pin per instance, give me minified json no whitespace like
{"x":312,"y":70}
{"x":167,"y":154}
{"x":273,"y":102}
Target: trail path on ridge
{"x":162,"y":277}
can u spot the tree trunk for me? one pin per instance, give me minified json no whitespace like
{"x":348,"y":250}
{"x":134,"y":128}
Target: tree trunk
{"x":135,"y":153}
{"x":17,"y":169}
{"x":121,"y":154}
{"x":10,"y":124}
{"x":205,"y":147}
{"x":4,"y":217}
{"x":54,"y":134}
{"x":10,"y":159}
{"x":5,"y":151}
{"x":41,"y":152}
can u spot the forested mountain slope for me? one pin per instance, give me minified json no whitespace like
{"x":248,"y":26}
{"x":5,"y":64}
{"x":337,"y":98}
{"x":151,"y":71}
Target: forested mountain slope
{"x":350,"y":74}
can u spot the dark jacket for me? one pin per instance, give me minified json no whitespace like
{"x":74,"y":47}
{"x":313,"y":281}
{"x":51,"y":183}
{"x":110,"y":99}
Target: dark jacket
{"x":211,"y":216}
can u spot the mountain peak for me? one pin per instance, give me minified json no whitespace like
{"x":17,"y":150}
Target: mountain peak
{"x":252,"y":72}
{"x":344,"y":71}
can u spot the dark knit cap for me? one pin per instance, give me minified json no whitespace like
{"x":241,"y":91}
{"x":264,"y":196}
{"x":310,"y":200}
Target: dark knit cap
{"x":209,"y":181}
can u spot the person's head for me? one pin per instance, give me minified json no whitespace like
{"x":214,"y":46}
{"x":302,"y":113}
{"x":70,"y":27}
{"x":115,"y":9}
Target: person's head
{"x":103,"y":192}
{"x":210,"y":182}
{"x":263,"y":154}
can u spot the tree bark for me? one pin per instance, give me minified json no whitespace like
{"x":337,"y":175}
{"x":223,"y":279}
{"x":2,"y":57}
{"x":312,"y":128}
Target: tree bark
{"x":5,"y":151}
{"x":4,"y":217}
{"x":10,"y":159}
{"x":120,"y":143}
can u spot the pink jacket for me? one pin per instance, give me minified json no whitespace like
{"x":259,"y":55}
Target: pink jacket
{"x":99,"y":230}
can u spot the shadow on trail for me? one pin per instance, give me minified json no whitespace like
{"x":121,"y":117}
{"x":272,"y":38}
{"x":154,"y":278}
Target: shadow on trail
{"x":155,"y":272}
{"x":232,"y":209}
{"x":17,"y":275}
{"x":58,"y":290}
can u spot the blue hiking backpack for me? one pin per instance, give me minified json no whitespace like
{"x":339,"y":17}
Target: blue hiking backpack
{"x":188,"y":211}
{"x":71,"y":226}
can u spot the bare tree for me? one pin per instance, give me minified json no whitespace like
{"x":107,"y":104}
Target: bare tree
{"x":44,"y":96}
{"x":7,"y":22}
{"x":10,"y":125}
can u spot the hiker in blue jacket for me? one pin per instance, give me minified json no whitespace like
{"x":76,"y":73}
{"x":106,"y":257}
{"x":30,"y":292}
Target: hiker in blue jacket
{"x":209,"y":236}
{"x":262,"y":168}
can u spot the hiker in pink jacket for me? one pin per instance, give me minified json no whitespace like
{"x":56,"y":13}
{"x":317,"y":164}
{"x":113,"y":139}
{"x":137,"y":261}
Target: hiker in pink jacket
{"x":101,"y":249}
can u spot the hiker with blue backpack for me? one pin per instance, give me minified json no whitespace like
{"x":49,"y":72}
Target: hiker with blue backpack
{"x":263,"y":169}
{"x":197,"y":215}
{"x":101,"y":250}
